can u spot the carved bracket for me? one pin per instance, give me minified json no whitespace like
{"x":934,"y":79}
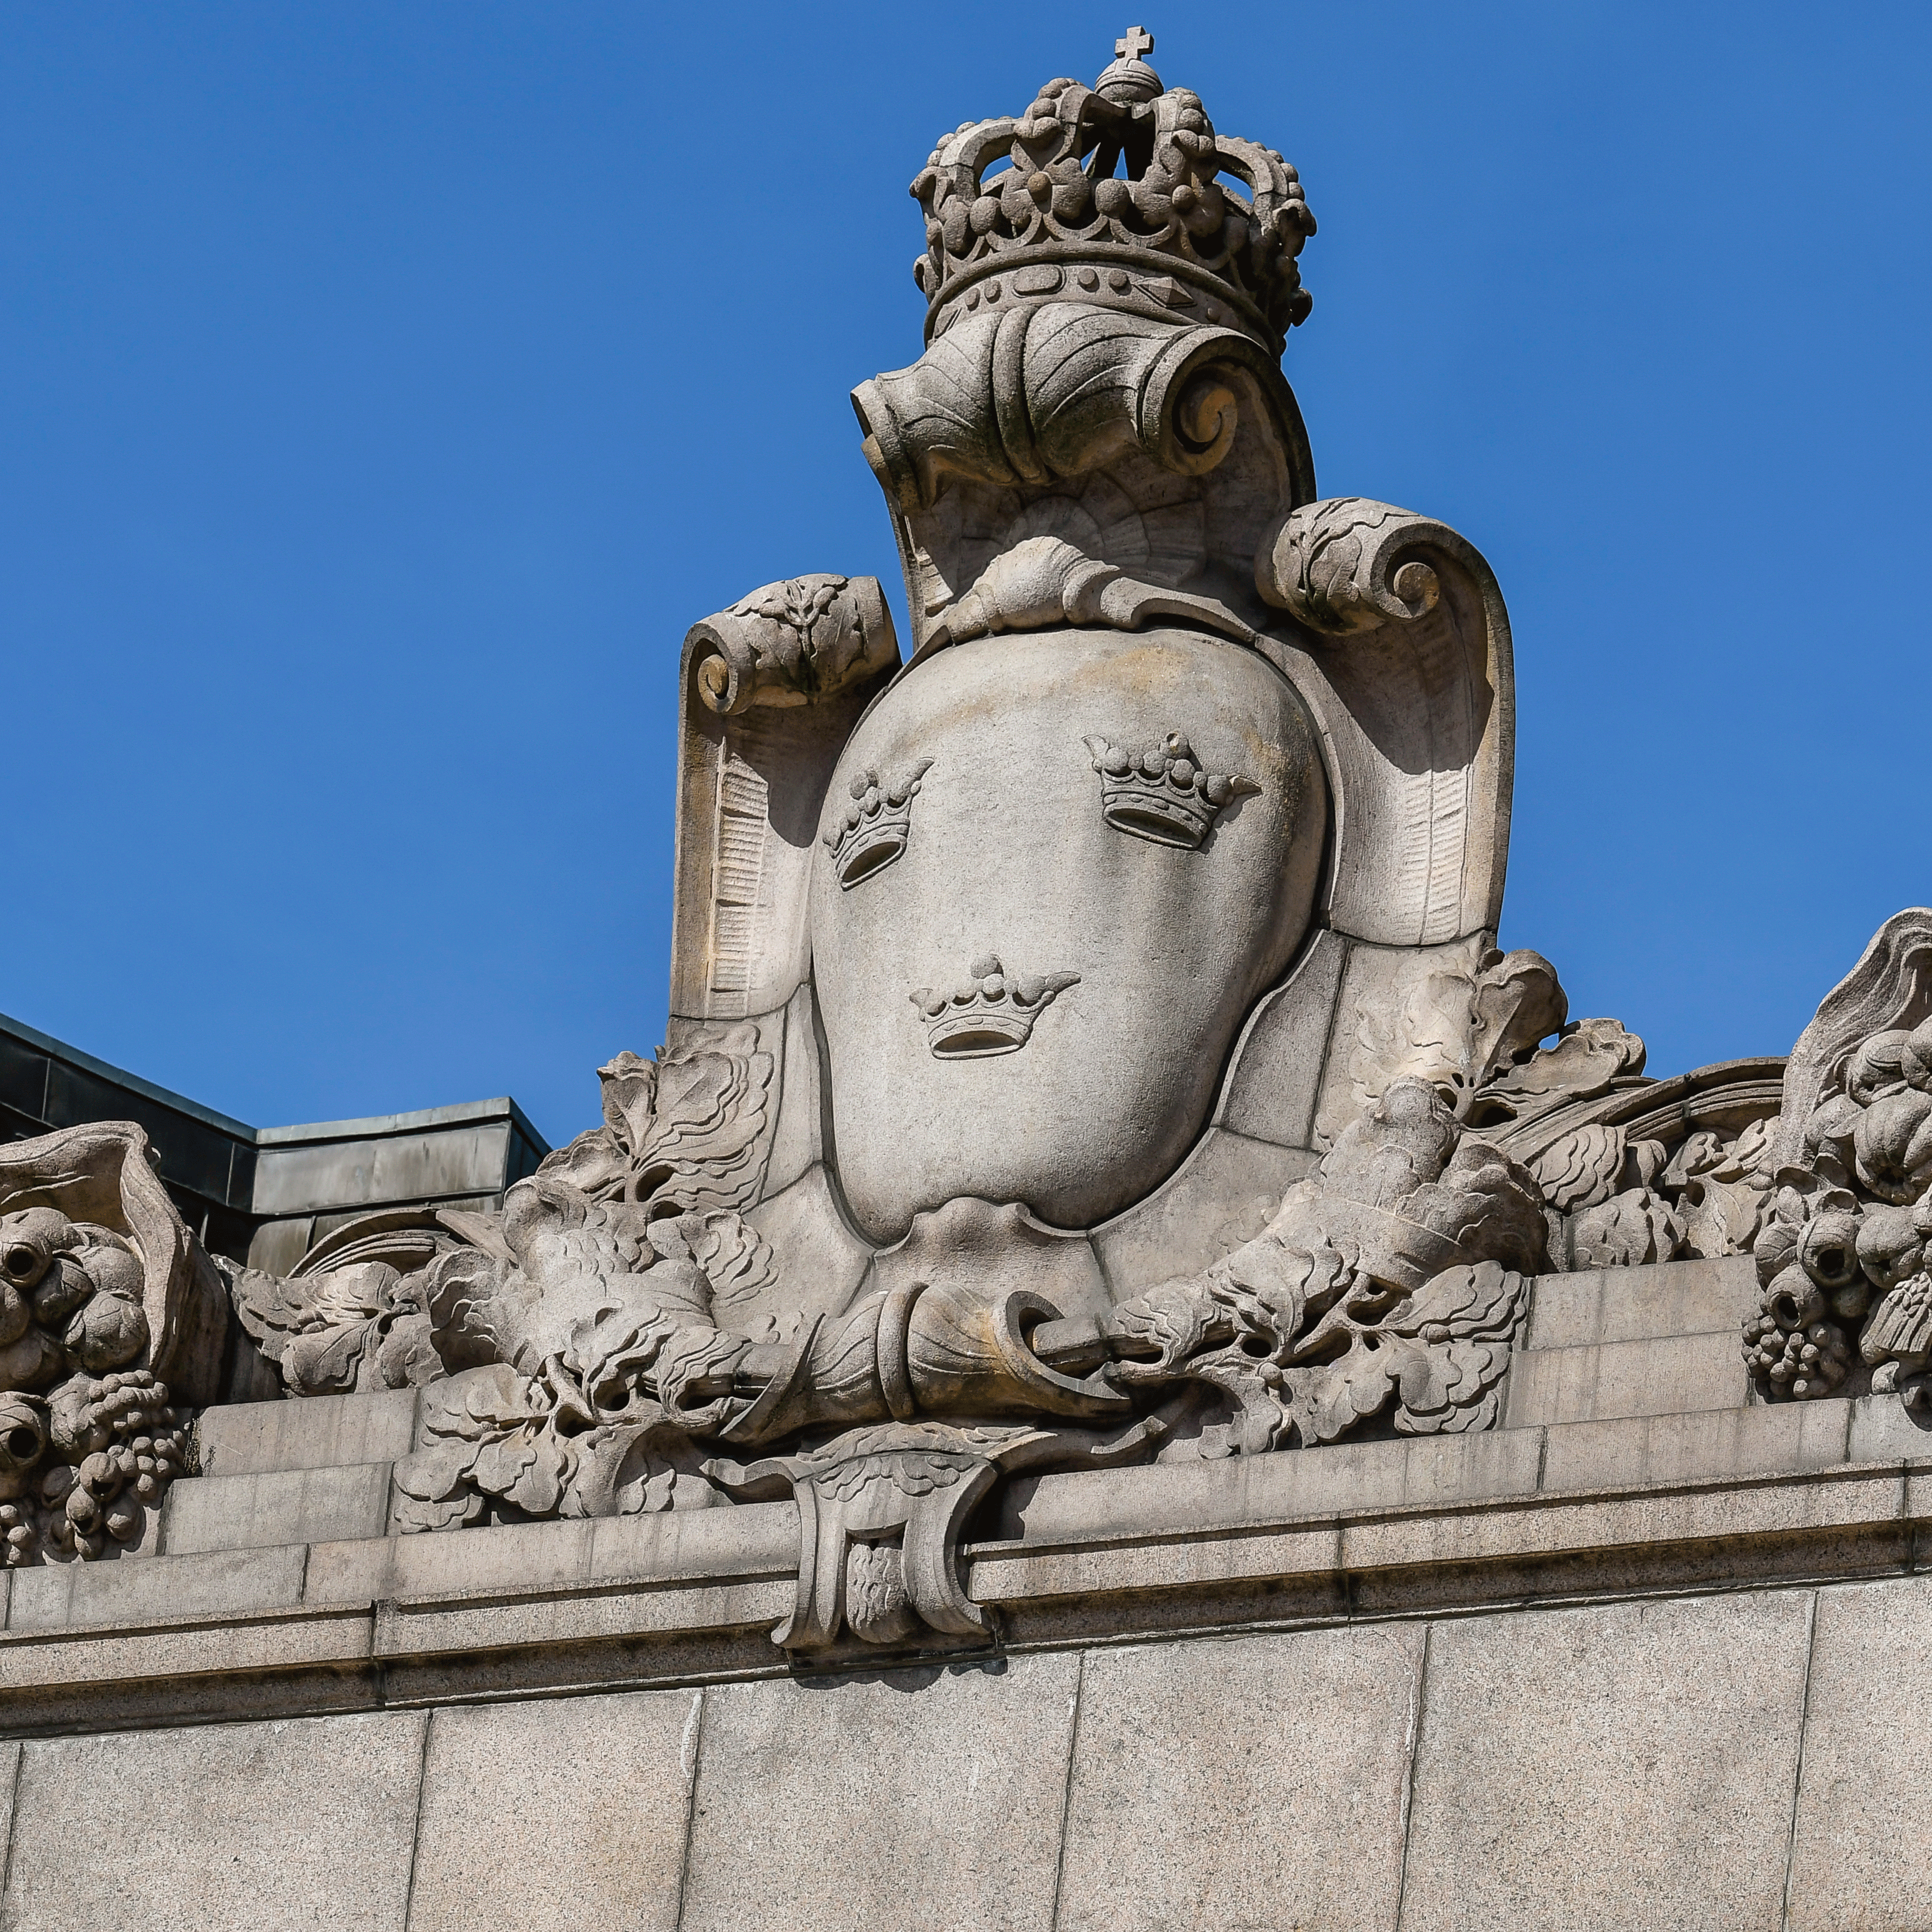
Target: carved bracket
{"x":881,"y":1511}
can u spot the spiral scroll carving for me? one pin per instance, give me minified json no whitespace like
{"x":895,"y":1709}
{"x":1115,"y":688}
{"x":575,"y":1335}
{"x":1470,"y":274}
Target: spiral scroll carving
{"x":793,"y":643}
{"x":1034,"y":395}
{"x":1350,"y":564}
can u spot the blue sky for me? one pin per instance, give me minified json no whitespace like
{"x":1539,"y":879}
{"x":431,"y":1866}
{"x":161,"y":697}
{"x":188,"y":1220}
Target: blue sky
{"x":388,"y":388}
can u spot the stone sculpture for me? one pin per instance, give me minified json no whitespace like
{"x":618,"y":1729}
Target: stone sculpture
{"x":1842,"y":1251}
{"x":109,"y":1315}
{"x":991,"y":1131}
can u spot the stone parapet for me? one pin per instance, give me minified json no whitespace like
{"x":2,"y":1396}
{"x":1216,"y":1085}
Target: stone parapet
{"x":253,"y":1572}
{"x":1432,"y":1684}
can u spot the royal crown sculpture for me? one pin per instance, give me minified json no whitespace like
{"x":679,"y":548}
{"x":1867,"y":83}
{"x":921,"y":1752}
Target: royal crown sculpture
{"x":1088,"y":1040}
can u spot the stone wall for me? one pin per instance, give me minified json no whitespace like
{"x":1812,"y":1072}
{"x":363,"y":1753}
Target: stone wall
{"x":1703,"y":1760}
{"x":1646,"y":1657}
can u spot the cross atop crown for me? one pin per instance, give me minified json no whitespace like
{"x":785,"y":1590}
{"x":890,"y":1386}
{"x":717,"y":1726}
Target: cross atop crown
{"x":1130,"y":80}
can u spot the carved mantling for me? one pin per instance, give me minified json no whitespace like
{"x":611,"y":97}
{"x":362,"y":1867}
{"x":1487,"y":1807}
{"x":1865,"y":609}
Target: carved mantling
{"x":772,"y":688}
{"x":1394,"y":628}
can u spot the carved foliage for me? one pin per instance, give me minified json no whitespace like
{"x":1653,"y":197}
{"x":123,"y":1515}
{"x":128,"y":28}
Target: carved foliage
{"x":1471,"y":1029}
{"x":1393,"y":1279}
{"x":1843,"y":1252}
{"x":1617,"y":1202}
{"x":683,"y":1128}
{"x":352,"y":1329}
{"x":680,"y":1144}
{"x":519,"y":1447}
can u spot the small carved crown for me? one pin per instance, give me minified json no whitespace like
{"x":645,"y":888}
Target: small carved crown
{"x":987,"y":1013}
{"x":872,"y":830}
{"x":1164,"y":793}
{"x":1111,"y":195}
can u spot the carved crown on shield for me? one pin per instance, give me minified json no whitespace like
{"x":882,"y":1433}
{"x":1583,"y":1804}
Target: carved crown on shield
{"x":1112,"y":194}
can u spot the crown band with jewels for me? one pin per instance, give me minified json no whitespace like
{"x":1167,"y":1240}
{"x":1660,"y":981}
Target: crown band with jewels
{"x":872,"y":832}
{"x":1162,"y":236}
{"x":1163,"y":793}
{"x":987,"y":1013}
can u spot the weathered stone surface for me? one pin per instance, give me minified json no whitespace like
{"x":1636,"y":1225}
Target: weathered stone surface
{"x":1178,"y":1497}
{"x":1883,"y":1429}
{"x":1859,"y":1859}
{"x":155,"y":1588}
{"x":1669,"y":1375}
{"x":799,"y":1138}
{"x":1627,"y":1536}
{"x":1274,"y":1078}
{"x":533,"y":1555}
{"x":283,"y":1506}
{"x":1170,"y":946}
{"x":771,"y":690}
{"x":321,"y":1433}
{"x":555,"y":1815}
{"x":1298,"y":1563}
{"x":1632,"y":1451}
{"x":269,"y":1826}
{"x":751,"y":1538}
{"x":1693,"y":1297}
{"x":1225,"y":1192}
{"x":943,"y":1808}
{"x":39,"y":1668}
{"x":824,"y":1263}
{"x":1623,"y":1765}
{"x":1295,"y":1815}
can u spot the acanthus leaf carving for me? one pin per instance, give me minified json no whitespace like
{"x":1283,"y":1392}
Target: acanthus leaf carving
{"x":1473,"y":1027}
{"x":1393,"y":1276}
{"x":682,"y":1130}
